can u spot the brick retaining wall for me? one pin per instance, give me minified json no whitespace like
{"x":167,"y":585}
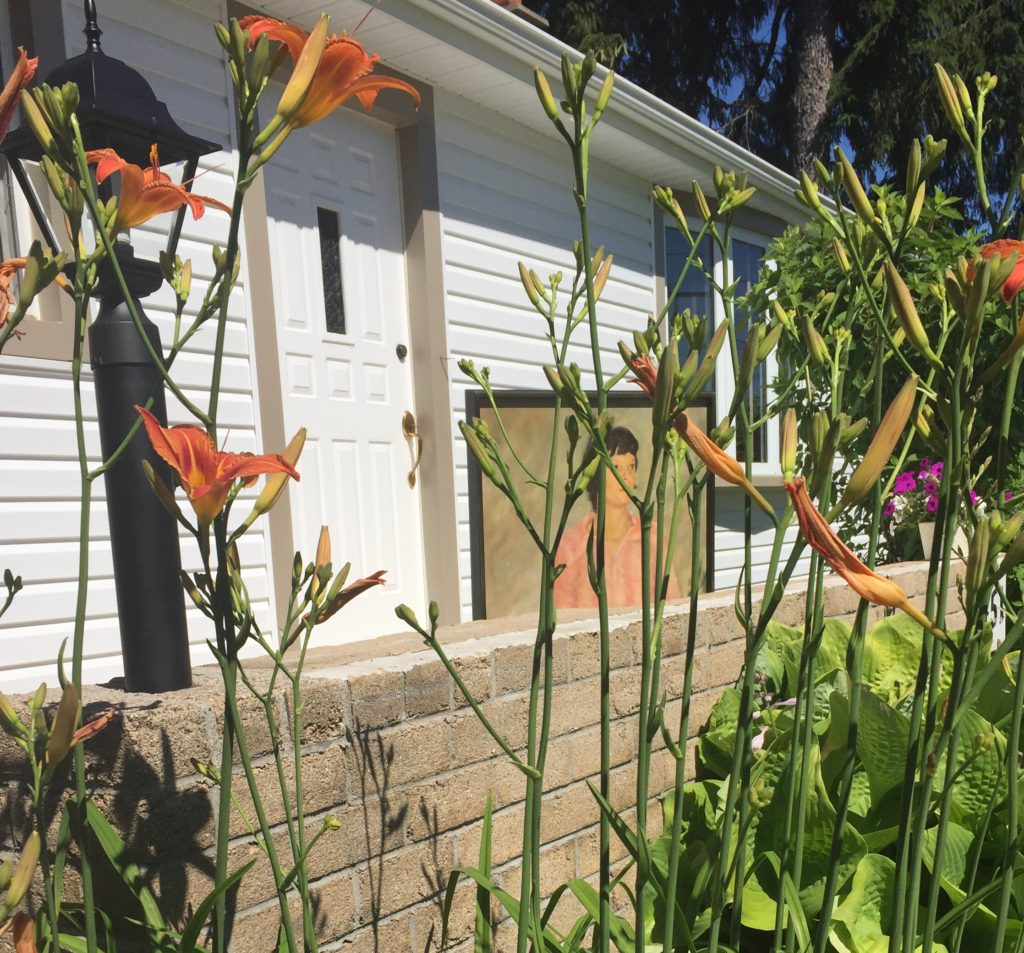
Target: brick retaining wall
{"x":393,"y":751}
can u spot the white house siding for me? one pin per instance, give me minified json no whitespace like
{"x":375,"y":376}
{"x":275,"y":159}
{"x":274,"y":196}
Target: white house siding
{"x":173,"y":45}
{"x":505,"y":195}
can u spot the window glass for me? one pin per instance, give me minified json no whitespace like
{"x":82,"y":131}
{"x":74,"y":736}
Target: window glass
{"x":746,"y":263}
{"x":695,"y":291}
{"x":329,"y":227}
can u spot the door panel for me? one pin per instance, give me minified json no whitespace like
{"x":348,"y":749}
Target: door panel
{"x":340,"y":300}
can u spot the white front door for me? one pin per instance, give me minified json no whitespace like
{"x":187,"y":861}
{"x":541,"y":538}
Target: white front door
{"x":343,"y":333}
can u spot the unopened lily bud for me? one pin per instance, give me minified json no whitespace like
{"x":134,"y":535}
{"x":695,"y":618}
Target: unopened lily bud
{"x":331,"y":823}
{"x":840,"y":252}
{"x":688,"y":369}
{"x":604,"y":95}
{"x":816,"y":347}
{"x":275,"y":482}
{"x":601,"y":278}
{"x":748,"y":362}
{"x":554,"y":379}
{"x":933,"y":153}
{"x":906,"y":312}
{"x":950,"y":100}
{"x":528,"y":286}
{"x":768,"y":343}
{"x":24,"y":872}
{"x":808,"y":193}
{"x":36,"y":122}
{"x":879,"y":451}
{"x":923,"y":423}
{"x":480,"y":454}
{"x":1014,"y":554}
{"x":978,"y":559}
{"x":964,"y":96}
{"x":783,"y":317}
{"x":408,"y":617}
{"x":722,"y":434}
{"x":9,"y":720}
{"x":39,"y":698}
{"x":701,"y":202}
{"x":916,"y":206}
{"x":913,"y":167}
{"x":983,"y":741}
{"x":1009,"y":531}
{"x":707,"y":364}
{"x":588,"y":473}
{"x":819,"y":428}
{"x":788,"y":445}
{"x":854,"y":190}
{"x":323,"y":549}
{"x":664,"y":388}
{"x":303,"y":74}
{"x":544,"y":94}
{"x":852,"y":431}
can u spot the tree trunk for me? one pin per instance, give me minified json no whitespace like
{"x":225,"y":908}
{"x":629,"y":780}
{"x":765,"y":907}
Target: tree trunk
{"x":814,"y":28}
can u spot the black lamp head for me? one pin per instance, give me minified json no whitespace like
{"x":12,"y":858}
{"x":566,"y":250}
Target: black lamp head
{"x":117,"y":109}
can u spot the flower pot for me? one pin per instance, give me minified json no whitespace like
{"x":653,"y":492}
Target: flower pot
{"x":927,"y":531}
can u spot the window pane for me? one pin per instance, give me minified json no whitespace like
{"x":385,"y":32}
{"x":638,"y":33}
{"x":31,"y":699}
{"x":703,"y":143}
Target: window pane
{"x":746,"y":263}
{"x":330,"y":266}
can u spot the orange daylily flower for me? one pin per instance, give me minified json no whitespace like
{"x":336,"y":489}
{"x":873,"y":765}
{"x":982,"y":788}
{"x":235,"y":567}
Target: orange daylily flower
{"x":148,"y":192}
{"x":8,"y":270}
{"x":24,"y":930}
{"x":206,"y":473}
{"x":93,"y":727}
{"x":1005,"y":248}
{"x":863,"y":581}
{"x":344,"y":70}
{"x":10,"y":96}
{"x":719,"y":462}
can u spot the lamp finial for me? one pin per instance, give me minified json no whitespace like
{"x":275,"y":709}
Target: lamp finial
{"x":92,"y":30}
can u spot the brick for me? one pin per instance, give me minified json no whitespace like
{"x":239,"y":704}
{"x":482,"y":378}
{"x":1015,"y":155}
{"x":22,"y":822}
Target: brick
{"x":428,"y":689}
{"x":472,"y":742}
{"x":324,"y":786}
{"x":673,"y":632}
{"x":324,"y":710}
{"x":624,"y":694}
{"x":377,"y":698}
{"x":720,"y":667}
{"x":335,"y":909}
{"x":477,"y":674}
{"x":393,"y":936}
{"x":567,"y":811}
{"x":716,"y":624}
{"x":399,"y":880}
{"x":506,"y":838}
{"x":415,"y":750}
{"x":575,"y":705}
{"x":585,"y":746}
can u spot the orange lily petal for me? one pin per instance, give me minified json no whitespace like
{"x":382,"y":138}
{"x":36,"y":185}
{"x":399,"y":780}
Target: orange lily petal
{"x":350,"y":592}
{"x":1005,"y":247}
{"x":865,"y":582}
{"x":205,"y":472}
{"x":343,"y":72}
{"x":24,"y":931}
{"x":94,"y":727}
{"x":8,"y":270}
{"x":20,"y":77}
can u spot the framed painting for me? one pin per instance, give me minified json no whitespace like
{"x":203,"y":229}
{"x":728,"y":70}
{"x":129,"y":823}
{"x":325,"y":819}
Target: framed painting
{"x":505,"y":562}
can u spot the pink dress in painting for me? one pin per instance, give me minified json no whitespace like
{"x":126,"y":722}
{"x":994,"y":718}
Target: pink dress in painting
{"x":622,"y":569}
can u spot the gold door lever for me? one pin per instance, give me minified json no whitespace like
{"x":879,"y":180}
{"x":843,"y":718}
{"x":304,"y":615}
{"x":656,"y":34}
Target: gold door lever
{"x":411,"y":433}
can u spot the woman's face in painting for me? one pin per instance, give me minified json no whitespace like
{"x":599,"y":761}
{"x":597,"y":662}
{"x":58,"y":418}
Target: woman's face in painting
{"x":625,"y":464}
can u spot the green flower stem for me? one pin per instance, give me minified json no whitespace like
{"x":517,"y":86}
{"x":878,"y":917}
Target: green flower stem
{"x":301,"y":853}
{"x":675,"y":844}
{"x":1004,"y":424}
{"x":231,"y":703}
{"x":78,"y":816}
{"x":42,"y":828}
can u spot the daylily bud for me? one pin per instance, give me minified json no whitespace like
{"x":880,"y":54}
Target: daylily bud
{"x":783,"y":317}
{"x":913,"y":167}
{"x":664,"y":388}
{"x":906,"y":312}
{"x":688,"y":369}
{"x":950,"y":100}
{"x":547,"y":100}
{"x":604,"y":95}
{"x":816,"y":347}
{"x":788,"y":445}
{"x":879,"y":451}
{"x":9,"y":720}
{"x":36,"y":122}
{"x":26,"y":869}
{"x":275,"y":482}
{"x":61,"y":731}
{"x":808,"y":193}
{"x":964,"y":96}
{"x":933,"y":153}
{"x":601,"y":278}
{"x":39,"y":698}
{"x":978,"y":560}
{"x":480,"y":454}
{"x":701,"y":202}
{"x":854,"y":190}
{"x":331,"y":823}
{"x":722,"y":434}
{"x":748,"y":363}
{"x":840,"y":252}
{"x":301,"y":80}
{"x":408,"y":617}
{"x":852,"y":431}
{"x":707,"y":364}
{"x":554,"y":379}
{"x":1010,"y":529}
{"x":531,"y":289}
{"x":819,"y":428}
{"x":916,"y":206}
{"x":323,"y":557}
{"x":824,"y":459}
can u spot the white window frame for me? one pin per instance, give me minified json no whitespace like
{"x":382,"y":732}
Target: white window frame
{"x":769,"y":470}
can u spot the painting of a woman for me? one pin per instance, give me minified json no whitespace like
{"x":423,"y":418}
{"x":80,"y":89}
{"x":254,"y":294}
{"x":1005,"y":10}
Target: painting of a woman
{"x":623,"y":566}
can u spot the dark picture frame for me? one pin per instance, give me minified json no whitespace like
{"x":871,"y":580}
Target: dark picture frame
{"x":626,"y":408}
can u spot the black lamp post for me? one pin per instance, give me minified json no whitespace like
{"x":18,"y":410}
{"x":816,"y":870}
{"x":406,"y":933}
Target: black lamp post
{"x":119,"y":110}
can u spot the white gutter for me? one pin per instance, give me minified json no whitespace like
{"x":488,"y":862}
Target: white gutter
{"x":495,"y":26}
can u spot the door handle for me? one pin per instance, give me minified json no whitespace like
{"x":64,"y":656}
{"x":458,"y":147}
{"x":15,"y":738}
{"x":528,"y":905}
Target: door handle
{"x":411,"y":433}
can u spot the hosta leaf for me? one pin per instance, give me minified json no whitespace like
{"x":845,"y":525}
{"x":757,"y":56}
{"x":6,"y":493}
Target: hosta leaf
{"x":860,"y":923}
{"x":882,"y":738}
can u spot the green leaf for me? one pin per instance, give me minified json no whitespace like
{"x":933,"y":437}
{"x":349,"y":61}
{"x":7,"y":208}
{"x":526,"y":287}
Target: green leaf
{"x":190,"y":935}
{"x":718,"y":742}
{"x":882,"y":738}
{"x":482,"y":928}
{"x":955,"y":848}
{"x":116,"y":852}
{"x":860,"y":923}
